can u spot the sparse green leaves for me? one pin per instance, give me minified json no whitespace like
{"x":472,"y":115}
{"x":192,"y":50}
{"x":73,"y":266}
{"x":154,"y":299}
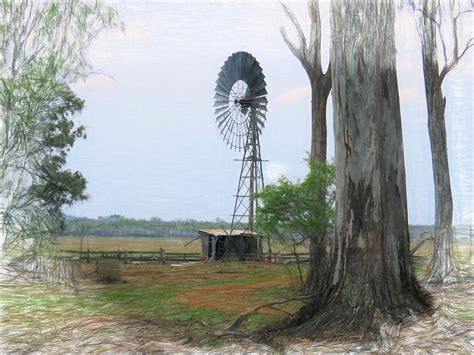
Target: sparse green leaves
{"x":43,"y":47}
{"x":296,"y":211}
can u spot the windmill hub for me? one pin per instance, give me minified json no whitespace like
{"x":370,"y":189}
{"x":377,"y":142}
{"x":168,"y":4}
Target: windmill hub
{"x":244,"y":102}
{"x":241,"y":105}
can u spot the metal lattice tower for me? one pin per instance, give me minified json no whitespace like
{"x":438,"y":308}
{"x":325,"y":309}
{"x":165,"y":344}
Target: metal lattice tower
{"x":240,"y":104}
{"x":250,"y":182}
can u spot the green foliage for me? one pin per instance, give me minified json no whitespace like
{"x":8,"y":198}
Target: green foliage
{"x":43,"y":46}
{"x":58,"y":31}
{"x":296,"y":211}
{"x":55,"y":186}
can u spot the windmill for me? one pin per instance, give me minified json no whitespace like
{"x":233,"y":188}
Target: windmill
{"x":240,"y":109}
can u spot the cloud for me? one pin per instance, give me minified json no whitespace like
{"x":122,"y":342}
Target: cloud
{"x":135,"y":33}
{"x":274,"y":170}
{"x":98,"y":81}
{"x":295,"y":94}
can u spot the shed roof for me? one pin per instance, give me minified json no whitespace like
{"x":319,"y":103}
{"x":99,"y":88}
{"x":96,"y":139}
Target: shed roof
{"x":228,"y":232}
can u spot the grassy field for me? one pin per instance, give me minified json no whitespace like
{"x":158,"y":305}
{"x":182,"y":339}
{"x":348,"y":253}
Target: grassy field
{"x":166,"y":303}
{"x":160,"y":300}
{"x":149,"y":244}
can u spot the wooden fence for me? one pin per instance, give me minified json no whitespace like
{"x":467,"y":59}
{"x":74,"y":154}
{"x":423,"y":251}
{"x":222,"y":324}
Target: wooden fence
{"x":129,"y":256}
{"x":163,"y":256}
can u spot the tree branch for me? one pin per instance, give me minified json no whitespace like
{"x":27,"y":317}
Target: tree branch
{"x":302,"y":52}
{"x":296,"y":52}
{"x":454,"y":62}
{"x":314,"y":51}
{"x":301,"y":36}
{"x":244,"y":316}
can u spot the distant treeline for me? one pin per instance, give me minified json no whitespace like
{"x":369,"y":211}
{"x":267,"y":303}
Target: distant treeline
{"x":117,"y":225}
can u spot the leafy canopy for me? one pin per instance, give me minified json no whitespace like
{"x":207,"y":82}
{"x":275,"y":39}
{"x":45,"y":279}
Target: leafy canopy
{"x":296,"y":211}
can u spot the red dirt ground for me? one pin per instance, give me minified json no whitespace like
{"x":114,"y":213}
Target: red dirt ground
{"x":230,"y":298}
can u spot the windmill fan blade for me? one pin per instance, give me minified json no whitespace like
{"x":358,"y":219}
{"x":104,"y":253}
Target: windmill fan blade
{"x":234,"y":116}
{"x":260,"y":122}
{"x":261,"y":108}
{"x":219,"y":110}
{"x":238,"y":65}
{"x":219,"y":96}
{"x":255,"y":77}
{"x":220,"y":103}
{"x":259,"y":89}
{"x":257,"y":82}
{"x":222,"y":117}
{"x":260,"y":100}
{"x":246,"y":66}
{"x":226,"y":78}
{"x":224,"y":123}
{"x":231,"y":69}
{"x":254,"y":70}
{"x":222,"y":87}
{"x":261,"y":114}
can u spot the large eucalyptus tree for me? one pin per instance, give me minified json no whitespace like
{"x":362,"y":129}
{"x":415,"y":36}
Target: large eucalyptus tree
{"x":372,"y":280}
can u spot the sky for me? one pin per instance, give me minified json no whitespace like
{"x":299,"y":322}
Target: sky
{"x":153,"y":148}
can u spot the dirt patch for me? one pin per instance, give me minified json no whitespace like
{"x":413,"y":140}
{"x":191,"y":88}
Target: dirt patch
{"x":178,"y":275}
{"x":230,"y":298}
{"x":167,"y":273}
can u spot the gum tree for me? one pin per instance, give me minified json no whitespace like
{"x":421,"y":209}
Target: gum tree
{"x":309,"y":55}
{"x":372,"y":280}
{"x":433,"y":16}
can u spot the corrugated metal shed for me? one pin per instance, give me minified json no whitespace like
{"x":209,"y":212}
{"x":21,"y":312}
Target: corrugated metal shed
{"x":218,"y":244}
{"x":227,"y":232}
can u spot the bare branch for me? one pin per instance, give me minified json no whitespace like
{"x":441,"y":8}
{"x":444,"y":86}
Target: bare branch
{"x":454,"y":62}
{"x":296,"y":51}
{"x":301,"y":36}
{"x":462,"y":13}
{"x":243,"y":317}
{"x":314,"y":51}
{"x":443,"y":42}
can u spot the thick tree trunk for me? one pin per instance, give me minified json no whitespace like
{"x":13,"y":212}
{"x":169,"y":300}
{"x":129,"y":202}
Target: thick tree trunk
{"x":371,"y":277}
{"x":320,"y":89}
{"x":443,"y":269}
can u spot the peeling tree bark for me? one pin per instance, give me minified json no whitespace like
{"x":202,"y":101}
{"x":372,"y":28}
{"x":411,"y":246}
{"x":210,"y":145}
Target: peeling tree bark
{"x":372,"y":279}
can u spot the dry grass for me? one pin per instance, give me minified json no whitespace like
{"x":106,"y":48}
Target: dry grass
{"x":178,"y":308}
{"x":149,"y":244}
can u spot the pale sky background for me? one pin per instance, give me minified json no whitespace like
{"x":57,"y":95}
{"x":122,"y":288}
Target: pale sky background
{"x":153,"y":148}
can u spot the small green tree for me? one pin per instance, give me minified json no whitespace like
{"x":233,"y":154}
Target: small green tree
{"x":293,"y":213}
{"x":34,"y":218}
{"x":43,"y":48}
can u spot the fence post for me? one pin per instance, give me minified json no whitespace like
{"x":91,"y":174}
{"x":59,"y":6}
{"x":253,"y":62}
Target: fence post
{"x":125,"y":256}
{"x":88,"y":256}
{"x":162,"y":255}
